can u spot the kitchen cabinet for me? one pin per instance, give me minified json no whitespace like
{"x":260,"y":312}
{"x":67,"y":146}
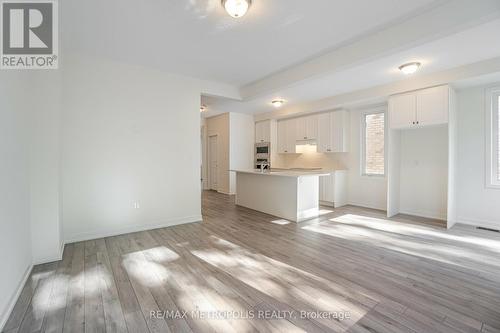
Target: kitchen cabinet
{"x":306,"y":128}
{"x":333,"y":132}
{"x":432,"y":106}
{"x":263,"y":131}
{"x":419,"y":108}
{"x":333,"y":189}
{"x":286,"y":136}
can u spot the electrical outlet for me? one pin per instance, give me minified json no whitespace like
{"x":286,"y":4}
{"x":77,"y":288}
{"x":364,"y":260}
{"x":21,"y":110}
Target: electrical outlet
{"x":137,"y":205}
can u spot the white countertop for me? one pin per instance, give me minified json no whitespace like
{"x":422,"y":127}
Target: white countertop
{"x":287,"y":173}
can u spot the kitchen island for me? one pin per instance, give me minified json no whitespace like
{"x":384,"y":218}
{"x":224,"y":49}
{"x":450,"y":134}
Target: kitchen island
{"x":289,"y":194}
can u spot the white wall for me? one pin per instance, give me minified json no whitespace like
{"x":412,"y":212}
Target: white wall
{"x":366,"y":191}
{"x":241,"y":145}
{"x":476,"y":204}
{"x":424,"y":172}
{"x":129,"y":134}
{"x":46,"y":226}
{"x":15,"y":236}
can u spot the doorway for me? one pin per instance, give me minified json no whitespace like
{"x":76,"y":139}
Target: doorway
{"x":212,"y":162}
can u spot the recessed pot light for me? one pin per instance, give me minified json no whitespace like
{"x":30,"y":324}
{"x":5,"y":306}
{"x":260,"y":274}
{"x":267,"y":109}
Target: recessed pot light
{"x":277,"y":103}
{"x":236,"y":8}
{"x":410,"y":67}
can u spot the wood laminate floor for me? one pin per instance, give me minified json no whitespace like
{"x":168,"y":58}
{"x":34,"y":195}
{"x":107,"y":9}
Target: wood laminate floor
{"x":261,"y":272}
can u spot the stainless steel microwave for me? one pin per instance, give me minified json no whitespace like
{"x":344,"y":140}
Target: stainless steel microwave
{"x":262,"y":148}
{"x":262,"y":154}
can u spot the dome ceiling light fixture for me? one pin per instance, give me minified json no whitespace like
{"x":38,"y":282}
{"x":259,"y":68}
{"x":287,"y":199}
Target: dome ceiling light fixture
{"x":236,"y":8}
{"x":277,"y":103}
{"x":203,"y":108}
{"x":409,"y":68}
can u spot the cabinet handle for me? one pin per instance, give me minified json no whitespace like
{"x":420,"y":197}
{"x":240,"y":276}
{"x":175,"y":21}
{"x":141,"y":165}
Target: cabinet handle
{"x":413,"y":123}
{"x":305,"y":137}
{"x":417,"y":122}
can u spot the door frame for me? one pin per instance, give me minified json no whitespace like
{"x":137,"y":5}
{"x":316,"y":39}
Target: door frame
{"x":209,"y":159}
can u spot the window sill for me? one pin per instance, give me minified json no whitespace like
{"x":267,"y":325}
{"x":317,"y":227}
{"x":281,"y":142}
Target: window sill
{"x":493,"y":186}
{"x":372,"y":176}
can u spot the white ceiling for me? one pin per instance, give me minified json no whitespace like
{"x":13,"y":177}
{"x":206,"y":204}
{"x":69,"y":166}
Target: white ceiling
{"x":294,"y":49}
{"x":197,"y":38}
{"x":468,"y":46}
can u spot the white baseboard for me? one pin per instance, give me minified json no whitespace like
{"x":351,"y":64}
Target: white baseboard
{"x":53,"y":258}
{"x":427,"y":215}
{"x":479,"y":223}
{"x":364,"y":205}
{"x":13,"y":300}
{"x":135,"y":228}
{"x":224,"y":192}
{"x":45,"y":260}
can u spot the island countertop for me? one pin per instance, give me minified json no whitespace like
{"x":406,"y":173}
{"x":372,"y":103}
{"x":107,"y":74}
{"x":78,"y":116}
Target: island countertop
{"x":286,"y":173}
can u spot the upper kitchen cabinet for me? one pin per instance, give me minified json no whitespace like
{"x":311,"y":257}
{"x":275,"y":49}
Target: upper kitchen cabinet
{"x":286,"y":136}
{"x":419,"y":108}
{"x":306,"y":128}
{"x":263,"y":131}
{"x":333,"y":132}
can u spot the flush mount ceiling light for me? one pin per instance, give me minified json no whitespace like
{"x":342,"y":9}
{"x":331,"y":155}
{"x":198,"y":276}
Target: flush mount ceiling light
{"x":409,"y":68}
{"x":203,"y":108}
{"x":277,"y":103}
{"x":236,"y":8}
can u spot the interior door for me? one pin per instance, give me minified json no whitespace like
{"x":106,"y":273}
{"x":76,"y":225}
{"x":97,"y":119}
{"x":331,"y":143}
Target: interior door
{"x":212,"y":152}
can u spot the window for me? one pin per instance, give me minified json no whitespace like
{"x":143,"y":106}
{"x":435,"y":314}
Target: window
{"x":493,"y":137}
{"x":373,"y":144}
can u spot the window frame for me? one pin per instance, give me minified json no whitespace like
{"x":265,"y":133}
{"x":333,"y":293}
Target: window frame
{"x":363,"y":142}
{"x":492,"y":131}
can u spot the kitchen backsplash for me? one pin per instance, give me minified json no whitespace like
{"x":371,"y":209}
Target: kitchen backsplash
{"x":309,"y":158}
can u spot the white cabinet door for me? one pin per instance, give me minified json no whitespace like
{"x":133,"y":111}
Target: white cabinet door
{"x":402,"y":110}
{"x":327,"y":188}
{"x":306,"y":128}
{"x":339,"y":124}
{"x":324,"y":144}
{"x":282,"y":142}
{"x":258,"y":132}
{"x":286,"y":136}
{"x":263,"y":131}
{"x":432,"y":106}
{"x":290,"y":135}
{"x":311,"y":127}
{"x":321,"y":189}
{"x":300,"y":129}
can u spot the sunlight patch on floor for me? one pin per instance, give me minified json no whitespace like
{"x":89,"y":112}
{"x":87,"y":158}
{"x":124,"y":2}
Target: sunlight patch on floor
{"x":418,"y":230}
{"x":324,"y":212}
{"x":352,"y":227}
{"x":284,"y":283}
{"x":281,"y":222}
{"x":162,"y":254}
{"x":142,"y":270}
